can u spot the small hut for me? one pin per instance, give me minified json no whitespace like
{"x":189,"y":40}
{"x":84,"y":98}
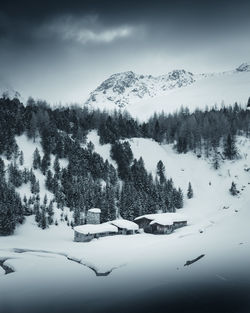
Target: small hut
{"x":125,"y":227}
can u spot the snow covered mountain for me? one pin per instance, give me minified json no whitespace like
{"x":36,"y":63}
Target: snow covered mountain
{"x":142,"y":95}
{"x":127,"y":87}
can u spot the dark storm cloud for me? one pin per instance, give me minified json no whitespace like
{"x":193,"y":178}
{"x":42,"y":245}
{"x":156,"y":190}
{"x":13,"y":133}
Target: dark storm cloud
{"x":22,"y":21}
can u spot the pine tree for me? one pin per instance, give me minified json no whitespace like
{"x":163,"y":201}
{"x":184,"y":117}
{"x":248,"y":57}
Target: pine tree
{"x":32,"y":129}
{"x":43,"y":220}
{"x":35,"y":188}
{"x":36,"y":159}
{"x":45,"y":200}
{"x":1,"y":169}
{"x":10,"y":208}
{"x":45,"y":163}
{"x":57,"y":165}
{"x":37,"y":212}
{"x":15,"y":175}
{"x":49,"y":180}
{"x":7,"y":220}
{"x":26,"y":176}
{"x":109,"y":205}
{"x":26,"y":206}
{"x":230,"y":149}
{"x":161,"y":172}
{"x":50,"y":212}
{"x":216,"y":162}
{"x":233,"y":190}
{"x":190,"y":192}
{"x":21,"y":158}
{"x":178,"y":198}
{"x":76,"y":216}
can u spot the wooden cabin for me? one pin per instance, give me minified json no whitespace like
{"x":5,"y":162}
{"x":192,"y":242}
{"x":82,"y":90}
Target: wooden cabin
{"x":157,"y":228}
{"x":143,"y":222}
{"x":178,"y":224}
{"x":161,"y":223}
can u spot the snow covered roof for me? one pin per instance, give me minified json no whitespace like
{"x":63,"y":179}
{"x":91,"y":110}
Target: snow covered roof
{"x":147,"y":216}
{"x":163,"y":218}
{"x":167,"y":220}
{"x":125,"y":224}
{"x":94,"y":210}
{"x":96,"y":228}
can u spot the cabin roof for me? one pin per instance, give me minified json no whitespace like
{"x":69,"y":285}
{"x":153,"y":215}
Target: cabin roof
{"x":163,"y":218}
{"x":125,"y":224}
{"x":94,"y":210}
{"x":96,"y":228}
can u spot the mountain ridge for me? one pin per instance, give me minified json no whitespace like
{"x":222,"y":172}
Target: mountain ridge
{"x":122,"y":90}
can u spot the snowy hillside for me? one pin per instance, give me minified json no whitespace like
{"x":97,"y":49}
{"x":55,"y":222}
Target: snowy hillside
{"x":142,"y":95}
{"x":218,"y":228}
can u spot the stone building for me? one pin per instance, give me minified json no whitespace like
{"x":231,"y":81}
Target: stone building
{"x":93,"y":216}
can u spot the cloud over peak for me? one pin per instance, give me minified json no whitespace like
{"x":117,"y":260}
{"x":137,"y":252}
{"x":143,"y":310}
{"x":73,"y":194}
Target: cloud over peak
{"x":87,"y":30}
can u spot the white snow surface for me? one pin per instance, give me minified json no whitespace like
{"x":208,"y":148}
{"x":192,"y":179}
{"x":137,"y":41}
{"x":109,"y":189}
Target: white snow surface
{"x":218,"y":226}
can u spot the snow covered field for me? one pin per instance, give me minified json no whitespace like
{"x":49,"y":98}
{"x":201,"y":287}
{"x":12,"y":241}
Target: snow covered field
{"x":53,"y":272}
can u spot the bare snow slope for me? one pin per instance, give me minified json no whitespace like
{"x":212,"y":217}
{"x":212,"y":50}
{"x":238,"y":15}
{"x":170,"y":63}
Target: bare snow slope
{"x":143,"y":95}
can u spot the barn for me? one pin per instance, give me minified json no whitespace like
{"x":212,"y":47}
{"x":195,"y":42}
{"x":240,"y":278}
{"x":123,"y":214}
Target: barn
{"x":125,"y":227}
{"x":87,"y":232}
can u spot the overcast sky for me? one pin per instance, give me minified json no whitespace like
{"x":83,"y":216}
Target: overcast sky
{"x":61,"y":50}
